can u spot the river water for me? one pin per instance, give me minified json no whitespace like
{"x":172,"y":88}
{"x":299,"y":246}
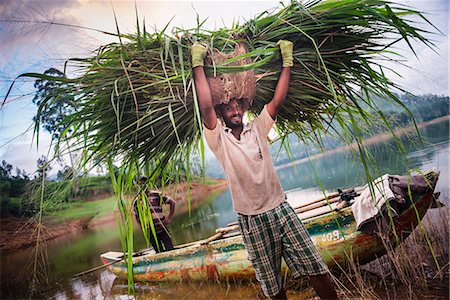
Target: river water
{"x":75,"y":253}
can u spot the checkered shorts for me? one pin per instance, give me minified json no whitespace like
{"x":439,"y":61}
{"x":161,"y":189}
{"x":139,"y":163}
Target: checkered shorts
{"x":277,"y":234}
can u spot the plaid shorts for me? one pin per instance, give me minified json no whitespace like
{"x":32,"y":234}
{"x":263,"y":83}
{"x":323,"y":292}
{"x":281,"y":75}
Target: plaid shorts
{"x":276,"y":234}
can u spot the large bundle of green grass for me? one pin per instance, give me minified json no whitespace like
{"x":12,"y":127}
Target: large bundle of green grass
{"x":136,"y":99}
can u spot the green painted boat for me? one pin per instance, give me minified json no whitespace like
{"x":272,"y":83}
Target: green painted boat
{"x":223,"y":256}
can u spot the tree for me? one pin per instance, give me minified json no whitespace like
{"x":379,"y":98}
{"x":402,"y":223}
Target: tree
{"x":65,"y":174}
{"x":54,"y":101}
{"x":5,"y":170}
{"x":43,"y":167}
{"x":18,"y":173}
{"x":25,"y":175}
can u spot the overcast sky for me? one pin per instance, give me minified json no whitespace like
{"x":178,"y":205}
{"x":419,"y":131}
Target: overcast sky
{"x":30,"y":44}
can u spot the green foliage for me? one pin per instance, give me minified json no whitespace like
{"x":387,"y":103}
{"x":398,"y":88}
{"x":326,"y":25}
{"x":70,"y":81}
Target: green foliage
{"x":43,"y":166}
{"x":5,"y":186}
{"x":424,"y":108}
{"x":5,"y":170}
{"x":53,"y":101}
{"x":57,"y":194}
{"x":84,"y":209}
{"x":66,"y":173}
{"x":11,"y":189}
{"x":12,"y":206}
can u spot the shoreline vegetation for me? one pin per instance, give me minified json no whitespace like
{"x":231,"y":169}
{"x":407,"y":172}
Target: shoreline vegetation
{"x":18,"y":233}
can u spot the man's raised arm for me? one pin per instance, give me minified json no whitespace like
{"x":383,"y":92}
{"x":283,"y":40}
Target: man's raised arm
{"x":209,"y":117}
{"x":281,"y":90}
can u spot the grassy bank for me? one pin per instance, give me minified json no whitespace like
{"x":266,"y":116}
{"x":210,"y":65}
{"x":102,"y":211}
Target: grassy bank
{"x":85,"y":209}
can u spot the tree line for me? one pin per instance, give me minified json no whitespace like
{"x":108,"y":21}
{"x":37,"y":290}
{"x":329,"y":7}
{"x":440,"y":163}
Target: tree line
{"x":20,"y":192}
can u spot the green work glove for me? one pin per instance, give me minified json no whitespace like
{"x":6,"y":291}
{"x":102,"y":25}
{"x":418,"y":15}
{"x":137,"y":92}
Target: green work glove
{"x":198,"y":54}
{"x":286,"y":49}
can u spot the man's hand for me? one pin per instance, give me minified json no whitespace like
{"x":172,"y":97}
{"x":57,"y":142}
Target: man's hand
{"x":209,"y":117}
{"x":286,"y":49}
{"x":281,"y":90}
{"x":198,"y":54}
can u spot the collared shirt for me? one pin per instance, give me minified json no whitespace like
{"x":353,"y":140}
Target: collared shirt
{"x":154,"y":204}
{"x":247,"y":164}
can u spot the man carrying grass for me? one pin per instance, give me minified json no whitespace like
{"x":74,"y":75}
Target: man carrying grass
{"x":270,"y":228}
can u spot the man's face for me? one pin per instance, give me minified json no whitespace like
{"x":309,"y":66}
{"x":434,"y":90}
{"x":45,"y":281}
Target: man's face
{"x":154,"y":196}
{"x":232,"y":113}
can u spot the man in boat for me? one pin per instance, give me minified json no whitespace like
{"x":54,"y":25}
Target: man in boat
{"x":269,"y":226}
{"x":155,"y":199}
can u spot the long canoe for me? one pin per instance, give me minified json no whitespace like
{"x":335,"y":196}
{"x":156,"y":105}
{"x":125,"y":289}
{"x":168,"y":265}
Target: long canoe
{"x":223,"y":256}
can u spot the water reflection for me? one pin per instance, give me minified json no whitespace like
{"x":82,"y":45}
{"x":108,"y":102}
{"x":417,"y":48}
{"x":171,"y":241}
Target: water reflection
{"x":204,"y":220}
{"x":344,"y":169}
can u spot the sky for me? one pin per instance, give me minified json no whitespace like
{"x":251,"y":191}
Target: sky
{"x":32,"y":39}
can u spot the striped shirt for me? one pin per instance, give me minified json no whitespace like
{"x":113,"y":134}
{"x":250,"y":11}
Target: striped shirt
{"x":154,"y":200}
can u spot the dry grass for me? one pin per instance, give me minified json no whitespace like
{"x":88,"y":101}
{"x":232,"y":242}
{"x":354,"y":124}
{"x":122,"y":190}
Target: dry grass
{"x":416,"y":269}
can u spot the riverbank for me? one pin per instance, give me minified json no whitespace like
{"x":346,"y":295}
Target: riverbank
{"x":17,"y":233}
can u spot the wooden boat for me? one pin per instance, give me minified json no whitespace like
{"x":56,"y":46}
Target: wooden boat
{"x":223,"y":256}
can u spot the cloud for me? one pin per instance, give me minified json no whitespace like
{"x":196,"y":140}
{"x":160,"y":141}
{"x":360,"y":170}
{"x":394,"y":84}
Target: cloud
{"x":23,"y":153}
{"x":26,"y":24}
{"x":428,"y":71}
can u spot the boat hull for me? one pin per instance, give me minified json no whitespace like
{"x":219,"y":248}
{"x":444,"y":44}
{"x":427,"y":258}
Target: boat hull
{"x":335,"y":236}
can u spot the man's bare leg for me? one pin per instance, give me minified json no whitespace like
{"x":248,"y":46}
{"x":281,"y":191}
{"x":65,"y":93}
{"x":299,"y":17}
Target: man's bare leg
{"x":281,"y":295}
{"x":324,"y":286}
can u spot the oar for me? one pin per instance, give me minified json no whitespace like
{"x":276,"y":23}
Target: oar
{"x":98,"y":268}
{"x":329,"y":198}
{"x":227,"y":229}
{"x":212,"y":238}
{"x":300,"y":210}
{"x":219,"y":233}
{"x":111,"y":263}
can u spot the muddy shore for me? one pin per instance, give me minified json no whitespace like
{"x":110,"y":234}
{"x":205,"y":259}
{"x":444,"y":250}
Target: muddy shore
{"x":17,"y":233}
